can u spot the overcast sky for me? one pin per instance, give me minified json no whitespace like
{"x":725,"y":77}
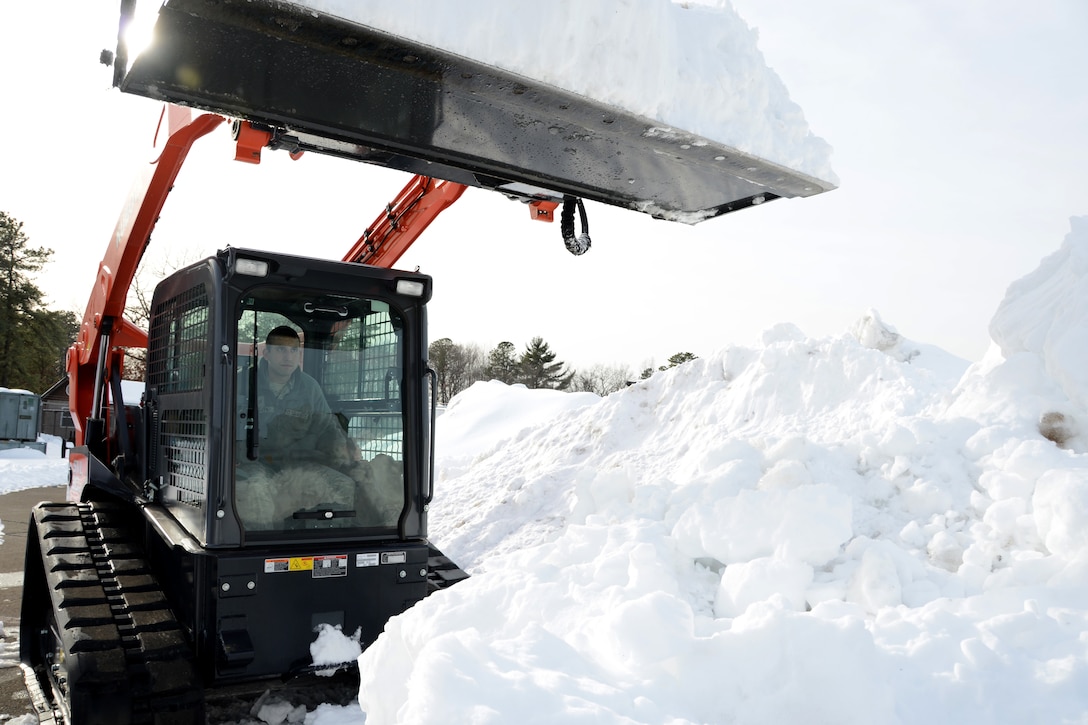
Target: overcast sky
{"x":959,"y":138}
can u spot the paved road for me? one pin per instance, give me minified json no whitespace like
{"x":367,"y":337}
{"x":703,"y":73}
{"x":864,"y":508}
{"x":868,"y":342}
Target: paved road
{"x":14,"y":513}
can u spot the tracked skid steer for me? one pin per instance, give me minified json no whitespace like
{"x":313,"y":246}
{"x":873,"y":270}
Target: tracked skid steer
{"x":273,"y":478}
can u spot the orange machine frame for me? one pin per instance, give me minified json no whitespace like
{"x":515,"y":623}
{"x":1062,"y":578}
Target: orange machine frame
{"x":105,"y":331}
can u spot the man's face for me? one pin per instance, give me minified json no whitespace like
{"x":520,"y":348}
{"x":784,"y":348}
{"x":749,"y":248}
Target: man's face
{"x":282,"y":356}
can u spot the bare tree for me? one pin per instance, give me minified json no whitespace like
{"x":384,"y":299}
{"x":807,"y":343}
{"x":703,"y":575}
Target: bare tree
{"x":457,"y":366}
{"x":466,"y":367}
{"x":601,"y":379}
{"x":138,"y":304}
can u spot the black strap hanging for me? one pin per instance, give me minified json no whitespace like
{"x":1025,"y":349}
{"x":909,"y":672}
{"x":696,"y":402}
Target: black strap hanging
{"x":575,"y":245}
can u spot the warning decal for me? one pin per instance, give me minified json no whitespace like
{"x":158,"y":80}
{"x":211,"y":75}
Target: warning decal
{"x":326,"y":566}
{"x":319,"y":566}
{"x":272,"y":566}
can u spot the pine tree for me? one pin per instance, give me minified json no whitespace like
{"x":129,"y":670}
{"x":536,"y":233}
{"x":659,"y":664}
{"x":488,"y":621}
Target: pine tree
{"x":20,"y":300}
{"x":501,"y":363}
{"x":537,"y":367}
{"x":679,"y":359}
{"x":42,"y":347}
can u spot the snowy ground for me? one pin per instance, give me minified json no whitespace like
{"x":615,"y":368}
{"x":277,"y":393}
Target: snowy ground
{"x":858,"y":529}
{"x":23,"y":468}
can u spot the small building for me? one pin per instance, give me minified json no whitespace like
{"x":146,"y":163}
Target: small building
{"x":20,"y":415}
{"x":57,"y":417}
{"x":20,"y":419}
{"x":56,"y":420}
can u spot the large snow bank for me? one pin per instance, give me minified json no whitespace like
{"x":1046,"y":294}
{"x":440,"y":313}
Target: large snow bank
{"x":838,"y":530}
{"x":1046,"y":315}
{"x":686,"y":65}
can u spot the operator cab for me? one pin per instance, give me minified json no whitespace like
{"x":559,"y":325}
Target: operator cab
{"x":315,"y":370}
{"x":320,"y":444}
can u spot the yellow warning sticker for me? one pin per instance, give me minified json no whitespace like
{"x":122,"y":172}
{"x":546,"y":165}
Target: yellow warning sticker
{"x":294,"y":563}
{"x":319,"y":566}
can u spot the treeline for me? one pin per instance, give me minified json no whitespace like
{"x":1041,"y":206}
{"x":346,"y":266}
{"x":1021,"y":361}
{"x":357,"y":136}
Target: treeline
{"x":459,"y":366}
{"x":33,"y":339}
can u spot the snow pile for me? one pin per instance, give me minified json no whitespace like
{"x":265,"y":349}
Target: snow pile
{"x":686,"y":65}
{"x":842,"y":530}
{"x":1059,"y":288}
{"x":470,"y":425}
{"x":23,"y":468}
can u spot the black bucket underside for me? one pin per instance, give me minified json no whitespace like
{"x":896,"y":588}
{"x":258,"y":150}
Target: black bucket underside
{"x":350,"y":90}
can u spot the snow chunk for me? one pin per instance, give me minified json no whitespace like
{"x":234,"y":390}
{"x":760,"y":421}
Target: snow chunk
{"x":1060,"y":503}
{"x":333,"y":648}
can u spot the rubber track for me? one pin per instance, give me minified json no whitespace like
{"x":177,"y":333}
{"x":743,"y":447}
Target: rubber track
{"x":125,"y":625}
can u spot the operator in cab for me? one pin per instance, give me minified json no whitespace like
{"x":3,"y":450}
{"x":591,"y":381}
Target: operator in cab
{"x":295,"y":418}
{"x":306,"y":462}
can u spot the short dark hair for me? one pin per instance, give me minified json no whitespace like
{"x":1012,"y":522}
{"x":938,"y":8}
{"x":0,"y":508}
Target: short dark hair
{"x":283,"y":331}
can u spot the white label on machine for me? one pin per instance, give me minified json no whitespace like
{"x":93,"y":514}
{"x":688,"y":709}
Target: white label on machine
{"x":368,"y":559}
{"x":329,"y":566}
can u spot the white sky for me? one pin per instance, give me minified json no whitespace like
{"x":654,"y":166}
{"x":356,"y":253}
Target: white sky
{"x":959,"y":141}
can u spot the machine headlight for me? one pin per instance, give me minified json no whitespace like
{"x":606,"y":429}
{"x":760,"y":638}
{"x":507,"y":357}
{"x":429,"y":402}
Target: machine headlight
{"x":410,"y":287}
{"x":251,"y":267}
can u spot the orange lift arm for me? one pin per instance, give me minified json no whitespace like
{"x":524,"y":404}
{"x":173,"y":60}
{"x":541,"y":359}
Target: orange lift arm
{"x":105,"y":330}
{"x":404,"y":219}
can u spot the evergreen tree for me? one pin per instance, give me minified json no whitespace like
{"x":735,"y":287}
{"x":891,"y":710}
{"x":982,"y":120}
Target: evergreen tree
{"x":24,"y":328}
{"x":678,"y":359}
{"x":502,"y":365}
{"x":537,"y":367}
{"x":42,"y":348}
